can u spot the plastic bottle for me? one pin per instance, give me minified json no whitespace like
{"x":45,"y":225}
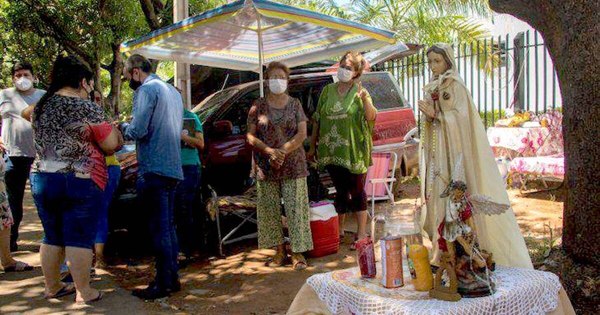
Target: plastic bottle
{"x":419,"y":256}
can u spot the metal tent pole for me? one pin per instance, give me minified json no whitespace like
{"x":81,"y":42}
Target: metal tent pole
{"x":260,"y":56}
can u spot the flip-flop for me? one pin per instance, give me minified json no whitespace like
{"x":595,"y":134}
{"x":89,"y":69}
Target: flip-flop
{"x":98,"y":298}
{"x":64,"y":291}
{"x":18,"y":267}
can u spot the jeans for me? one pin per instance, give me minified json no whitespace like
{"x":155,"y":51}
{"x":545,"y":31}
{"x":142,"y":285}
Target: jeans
{"x":157,"y":195}
{"x":17,"y":172}
{"x":184,"y":207}
{"x":68,"y":208}
{"x":114,"y":175}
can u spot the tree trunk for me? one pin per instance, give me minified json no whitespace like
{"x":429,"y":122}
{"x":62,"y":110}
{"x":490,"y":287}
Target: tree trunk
{"x":571,"y":30}
{"x":116,"y":70}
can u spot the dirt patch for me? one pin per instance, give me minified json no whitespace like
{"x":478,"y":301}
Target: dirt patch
{"x":242,"y":284}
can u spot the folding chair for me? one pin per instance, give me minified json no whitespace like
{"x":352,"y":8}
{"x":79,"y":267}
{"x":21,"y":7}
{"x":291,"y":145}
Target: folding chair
{"x":242,"y":207}
{"x":380,"y":181}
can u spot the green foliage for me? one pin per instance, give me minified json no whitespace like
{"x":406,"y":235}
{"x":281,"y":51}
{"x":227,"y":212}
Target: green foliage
{"x":491,"y":117}
{"x":39,"y":30}
{"x":329,"y":7}
{"x":198,"y":6}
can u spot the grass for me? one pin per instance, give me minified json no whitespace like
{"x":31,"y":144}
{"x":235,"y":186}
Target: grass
{"x":540,"y":248}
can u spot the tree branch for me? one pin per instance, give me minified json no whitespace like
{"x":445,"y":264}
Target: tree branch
{"x":52,"y":29}
{"x":540,"y":13}
{"x":150,"y":13}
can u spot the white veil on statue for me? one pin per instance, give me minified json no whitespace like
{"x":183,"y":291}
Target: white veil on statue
{"x":459,"y":131}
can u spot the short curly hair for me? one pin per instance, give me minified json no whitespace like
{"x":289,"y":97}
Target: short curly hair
{"x":277,"y":65}
{"x":357,"y":60}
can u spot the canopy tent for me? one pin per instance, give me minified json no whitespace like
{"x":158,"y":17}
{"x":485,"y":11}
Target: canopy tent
{"x":246,"y":34}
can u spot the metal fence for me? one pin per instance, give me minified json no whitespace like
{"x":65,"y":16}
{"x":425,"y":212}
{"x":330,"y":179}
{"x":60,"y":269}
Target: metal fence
{"x":500,"y":72}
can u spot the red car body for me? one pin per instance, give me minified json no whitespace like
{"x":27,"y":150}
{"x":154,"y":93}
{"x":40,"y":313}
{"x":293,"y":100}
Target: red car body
{"x":227,"y":157}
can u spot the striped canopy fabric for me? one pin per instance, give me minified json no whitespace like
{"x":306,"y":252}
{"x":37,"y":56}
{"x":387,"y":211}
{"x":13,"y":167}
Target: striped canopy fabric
{"x":246,"y":34}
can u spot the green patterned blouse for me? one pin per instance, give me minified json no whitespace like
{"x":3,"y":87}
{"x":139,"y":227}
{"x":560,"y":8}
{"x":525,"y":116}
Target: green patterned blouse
{"x":345,"y":135}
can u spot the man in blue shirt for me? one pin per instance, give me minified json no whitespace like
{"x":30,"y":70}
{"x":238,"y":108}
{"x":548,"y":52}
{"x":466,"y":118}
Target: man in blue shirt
{"x":156,"y":128}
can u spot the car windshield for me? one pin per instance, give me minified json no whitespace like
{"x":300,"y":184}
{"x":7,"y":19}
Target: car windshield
{"x":213,"y":102}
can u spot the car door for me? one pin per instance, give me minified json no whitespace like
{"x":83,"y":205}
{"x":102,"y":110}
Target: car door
{"x":228,"y":155}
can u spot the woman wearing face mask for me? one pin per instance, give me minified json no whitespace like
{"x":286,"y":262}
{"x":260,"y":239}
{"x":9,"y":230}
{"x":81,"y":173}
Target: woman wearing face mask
{"x":69,"y":175}
{"x":453,"y":131}
{"x":276,"y":130}
{"x":342,"y":139}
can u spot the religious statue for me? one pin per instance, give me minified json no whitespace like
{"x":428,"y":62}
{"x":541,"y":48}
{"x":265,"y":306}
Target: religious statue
{"x":453,"y":130}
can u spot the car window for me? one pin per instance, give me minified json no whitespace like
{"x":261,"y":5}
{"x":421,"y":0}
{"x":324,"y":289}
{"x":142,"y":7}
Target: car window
{"x":384,"y":91}
{"x":212,"y":103}
{"x":308,"y":93}
{"x":238,"y":111}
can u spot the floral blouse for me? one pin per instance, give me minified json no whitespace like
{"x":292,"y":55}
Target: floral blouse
{"x":66,"y":137}
{"x":275,"y":127}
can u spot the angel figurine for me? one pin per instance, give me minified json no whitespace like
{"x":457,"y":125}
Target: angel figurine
{"x":458,"y":237}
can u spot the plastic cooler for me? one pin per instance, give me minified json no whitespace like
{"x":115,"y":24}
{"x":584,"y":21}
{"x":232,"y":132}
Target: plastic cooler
{"x":325,"y":229}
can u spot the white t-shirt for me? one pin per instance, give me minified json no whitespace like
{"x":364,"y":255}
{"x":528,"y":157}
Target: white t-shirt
{"x":17,"y":134}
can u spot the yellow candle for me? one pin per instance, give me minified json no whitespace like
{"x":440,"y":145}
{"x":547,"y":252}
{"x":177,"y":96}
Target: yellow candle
{"x":420,"y":258}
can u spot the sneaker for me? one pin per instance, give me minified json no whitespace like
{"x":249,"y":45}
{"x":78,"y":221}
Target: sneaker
{"x":152,"y":292}
{"x":67,"y":278}
{"x":175,"y":288}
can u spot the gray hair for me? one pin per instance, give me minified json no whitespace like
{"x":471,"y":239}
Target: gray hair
{"x":140,"y":62}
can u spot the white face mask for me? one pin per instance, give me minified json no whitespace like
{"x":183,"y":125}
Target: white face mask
{"x":23,"y":84}
{"x":344,"y":74}
{"x":277,"y":86}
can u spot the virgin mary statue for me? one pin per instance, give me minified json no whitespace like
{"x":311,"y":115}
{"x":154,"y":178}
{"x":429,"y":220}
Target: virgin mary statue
{"x":453,"y":128}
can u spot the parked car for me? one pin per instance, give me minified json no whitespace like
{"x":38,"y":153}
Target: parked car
{"x":227,"y":157}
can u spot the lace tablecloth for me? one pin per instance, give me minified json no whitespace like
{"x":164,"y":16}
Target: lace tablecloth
{"x":518,"y":291}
